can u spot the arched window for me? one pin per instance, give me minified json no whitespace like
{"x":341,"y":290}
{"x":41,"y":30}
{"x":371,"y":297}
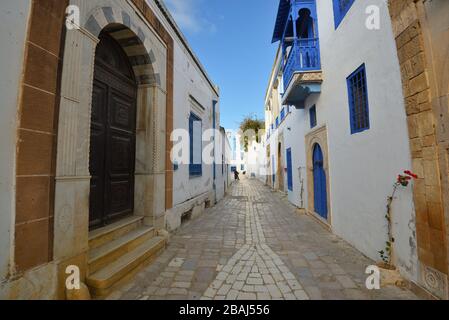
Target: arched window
{"x":304,"y":24}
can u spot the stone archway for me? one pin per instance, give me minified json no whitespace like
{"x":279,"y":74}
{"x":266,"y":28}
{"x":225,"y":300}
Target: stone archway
{"x":318,"y":137}
{"x":150,"y":58}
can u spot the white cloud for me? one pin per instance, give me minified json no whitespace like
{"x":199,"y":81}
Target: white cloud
{"x":187,"y":15}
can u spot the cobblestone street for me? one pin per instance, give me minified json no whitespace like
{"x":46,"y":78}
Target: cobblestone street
{"x":254,"y":245}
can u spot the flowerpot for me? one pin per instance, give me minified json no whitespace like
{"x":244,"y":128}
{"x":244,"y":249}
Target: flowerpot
{"x":390,"y":276}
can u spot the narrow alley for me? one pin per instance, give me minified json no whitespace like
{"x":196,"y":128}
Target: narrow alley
{"x":255,"y":245}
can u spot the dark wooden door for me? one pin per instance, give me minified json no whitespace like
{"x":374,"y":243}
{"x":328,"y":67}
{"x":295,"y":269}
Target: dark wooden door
{"x":113,"y":135}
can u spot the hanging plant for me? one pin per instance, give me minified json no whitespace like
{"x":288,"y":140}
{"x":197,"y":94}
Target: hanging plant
{"x":403,"y":180}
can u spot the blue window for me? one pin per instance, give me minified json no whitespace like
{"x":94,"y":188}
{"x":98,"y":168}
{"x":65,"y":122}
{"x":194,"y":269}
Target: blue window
{"x":358,"y":100}
{"x":196,"y":145}
{"x":277,"y":122}
{"x":289,"y":170}
{"x":312,"y":115}
{"x":242,"y":167}
{"x":282,"y":114}
{"x":341,"y":8}
{"x":233,"y":169}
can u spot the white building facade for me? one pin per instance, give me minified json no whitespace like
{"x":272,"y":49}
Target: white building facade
{"x":337,"y":134}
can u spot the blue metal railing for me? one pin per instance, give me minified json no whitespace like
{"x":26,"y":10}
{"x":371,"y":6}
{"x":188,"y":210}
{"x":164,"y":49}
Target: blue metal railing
{"x":304,"y":56}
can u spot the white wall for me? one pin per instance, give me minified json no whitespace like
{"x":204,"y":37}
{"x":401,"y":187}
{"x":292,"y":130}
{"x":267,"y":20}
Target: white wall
{"x":364,"y":166}
{"x":188,"y":81}
{"x":14,"y":18}
{"x":294,"y":139}
{"x":221,"y":181}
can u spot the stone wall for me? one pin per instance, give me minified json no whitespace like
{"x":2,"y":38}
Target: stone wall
{"x":423,"y":88}
{"x":36,"y":150}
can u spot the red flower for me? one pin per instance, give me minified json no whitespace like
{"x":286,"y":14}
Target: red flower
{"x":411,"y":174}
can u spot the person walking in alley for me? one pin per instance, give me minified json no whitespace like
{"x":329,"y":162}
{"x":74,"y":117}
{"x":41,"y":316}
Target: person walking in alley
{"x":236,"y":175}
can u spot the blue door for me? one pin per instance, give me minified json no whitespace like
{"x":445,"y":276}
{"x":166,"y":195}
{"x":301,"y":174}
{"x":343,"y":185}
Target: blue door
{"x":319,"y":182}
{"x":289,"y":169}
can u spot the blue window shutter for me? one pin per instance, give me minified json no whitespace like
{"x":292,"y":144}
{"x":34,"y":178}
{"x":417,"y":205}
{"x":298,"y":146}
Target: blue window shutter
{"x":289,"y":169}
{"x":195,"y":169}
{"x":358,"y":101}
{"x":191,"y":142}
{"x":313,"y":118}
{"x":341,"y":8}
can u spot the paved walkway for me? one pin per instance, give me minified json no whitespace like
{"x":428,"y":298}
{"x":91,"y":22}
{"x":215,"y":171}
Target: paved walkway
{"x":255,"y":245}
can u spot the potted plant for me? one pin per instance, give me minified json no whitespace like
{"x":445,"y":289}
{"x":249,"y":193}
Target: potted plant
{"x":389,"y":273}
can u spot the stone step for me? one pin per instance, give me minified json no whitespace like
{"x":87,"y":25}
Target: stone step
{"x":102,"y":282}
{"x":113,"y":231}
{"x":105,"y":254}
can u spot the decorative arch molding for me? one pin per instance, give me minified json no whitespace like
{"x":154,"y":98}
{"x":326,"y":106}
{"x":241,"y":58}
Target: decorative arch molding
{"x":318,"y":137}
{"x":131,"y":37}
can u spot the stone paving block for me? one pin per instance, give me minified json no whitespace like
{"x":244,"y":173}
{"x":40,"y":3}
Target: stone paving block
{"x":254,"y":281}
{"x":167,"y":274}
{"x":238,"y":285}
{"x":223,"y":291}
{"x":260,"y":289}
{"x":184,"y":285}
{"x":290,"y":296}
{"x":301,"y":295}
{"x":346,"y":282}
{"x":210,"y":293}
{"x":217,"y":284}
{"x":248,"y":288}
{"x":177,"y":291}
{"x":161,"y":292}
{"x":274,"y":291}
{"x":247,"y":296}
{"x":267,"y":279}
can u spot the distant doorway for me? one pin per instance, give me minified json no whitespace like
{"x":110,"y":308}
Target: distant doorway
{"x":280,"y":168}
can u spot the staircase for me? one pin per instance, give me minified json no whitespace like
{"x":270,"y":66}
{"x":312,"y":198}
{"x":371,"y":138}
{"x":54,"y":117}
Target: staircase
{"x":117,"y":252}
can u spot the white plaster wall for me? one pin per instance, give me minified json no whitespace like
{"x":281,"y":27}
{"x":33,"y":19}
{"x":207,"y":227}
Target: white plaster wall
{"x":236,"y":153}
{"x":14,"y":21}
{"x":221,"y":174}
{"x":293,"y":129}
{"x":294,"y":139}
{"x":188,"y":81}
{"x":364,"y":166}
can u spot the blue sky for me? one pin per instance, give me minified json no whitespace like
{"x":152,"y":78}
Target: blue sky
{"x":232,"y":38}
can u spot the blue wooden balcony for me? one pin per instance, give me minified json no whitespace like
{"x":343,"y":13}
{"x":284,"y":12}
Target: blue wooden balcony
{"x":297,"y":30}
{"x":304,"y":57}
